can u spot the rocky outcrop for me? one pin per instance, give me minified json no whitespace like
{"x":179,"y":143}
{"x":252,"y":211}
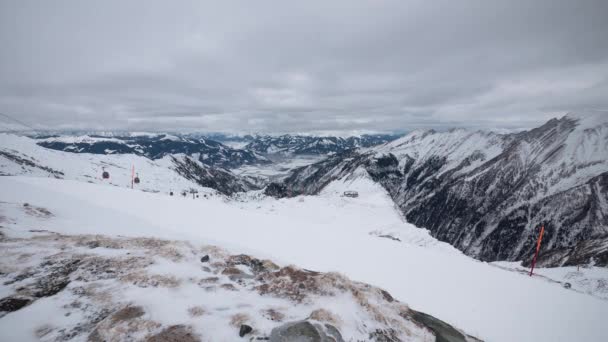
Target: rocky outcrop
{"x":586,"y":252}
{"x":221,"y":180}
{"x":305,"y":331}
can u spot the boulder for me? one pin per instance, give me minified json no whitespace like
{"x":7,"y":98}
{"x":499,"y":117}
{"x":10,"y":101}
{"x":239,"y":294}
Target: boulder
{"x":10,"y":304}
{"x":245,"y":329}
{"x":305,"y":331}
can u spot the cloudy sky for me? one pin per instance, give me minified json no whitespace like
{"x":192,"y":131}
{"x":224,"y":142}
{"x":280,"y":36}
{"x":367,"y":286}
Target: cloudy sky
{"x":300,"y":66}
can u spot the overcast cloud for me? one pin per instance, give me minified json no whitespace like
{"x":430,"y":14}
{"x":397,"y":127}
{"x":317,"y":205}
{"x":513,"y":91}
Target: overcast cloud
{"x":300,"y":66}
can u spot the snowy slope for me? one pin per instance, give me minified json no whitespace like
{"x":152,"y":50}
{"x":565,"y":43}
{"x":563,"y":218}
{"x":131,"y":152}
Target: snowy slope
{"x":329,"y":233}
{"x":33,"y":160}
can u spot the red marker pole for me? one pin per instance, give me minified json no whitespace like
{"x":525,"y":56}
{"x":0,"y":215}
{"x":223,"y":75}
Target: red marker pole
{"x":540,"y":238}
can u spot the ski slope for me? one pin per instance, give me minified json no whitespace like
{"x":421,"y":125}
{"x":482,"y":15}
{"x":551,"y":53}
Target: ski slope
{"x":329,"y":233}
{"x":155,"y":175}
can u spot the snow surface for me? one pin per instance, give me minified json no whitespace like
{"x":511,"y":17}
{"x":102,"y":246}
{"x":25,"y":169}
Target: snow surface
{"x":155,"y":175}
{"x":586,"y":279}
{"x":330,"y":233}
{"x":150,"y":274}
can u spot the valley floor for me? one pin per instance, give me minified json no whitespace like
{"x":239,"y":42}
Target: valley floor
{"x":363,"y":238}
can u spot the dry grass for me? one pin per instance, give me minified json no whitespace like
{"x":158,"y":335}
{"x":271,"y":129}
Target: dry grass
{"x":196,"y":311}
{"x":325,"y":316}
{"x":238,"y":319}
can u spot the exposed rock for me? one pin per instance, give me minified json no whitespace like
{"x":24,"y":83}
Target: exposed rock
{"x":219,"y":179}
{"x":387,"y":296}
{"x":586,"y":252}
{"x":10,"y":304}
{"x":256,"y":265}
{"x":244,"y":330}
{"x":232,"y":271}
{"x":443,"y":331}
{"x":174,"y":333}
{"x":386,"y":236}
{"x":54,"y":281}
{"x":305,"y":331}
{"x":205,"y":258}
{"x":385,"y":335}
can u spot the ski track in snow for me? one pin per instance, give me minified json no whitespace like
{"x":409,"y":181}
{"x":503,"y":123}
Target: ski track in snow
{"x":327,"y":233}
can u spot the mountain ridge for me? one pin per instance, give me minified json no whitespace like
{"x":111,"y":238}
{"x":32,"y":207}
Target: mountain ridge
{"x":485,"y":193}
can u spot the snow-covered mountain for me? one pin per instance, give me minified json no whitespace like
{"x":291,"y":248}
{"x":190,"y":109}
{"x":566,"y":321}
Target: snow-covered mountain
{"x":176,"y":172}
{"x":303,"y":144}
{"x":156,"y":146}
{"x":86,"y":258}
{"x":486,"y":193}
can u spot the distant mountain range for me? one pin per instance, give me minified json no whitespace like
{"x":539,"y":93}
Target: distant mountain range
{"x":486,"y":193}
{"x":251,"y":149}
{"x":302,"y":144}
{"x":156,"y":146}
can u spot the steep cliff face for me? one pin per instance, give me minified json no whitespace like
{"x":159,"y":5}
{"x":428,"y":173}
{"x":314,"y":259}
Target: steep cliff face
{"x":487,"y":193}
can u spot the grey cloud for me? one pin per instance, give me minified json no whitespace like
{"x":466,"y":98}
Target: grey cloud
{"x":273,"y":66}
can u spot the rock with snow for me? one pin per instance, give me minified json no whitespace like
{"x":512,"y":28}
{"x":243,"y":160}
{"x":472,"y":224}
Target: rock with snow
{"x":149,"y":289}
{"x":305,"y":331}
{"x":221,"y":180}
{"x":244,"y":330}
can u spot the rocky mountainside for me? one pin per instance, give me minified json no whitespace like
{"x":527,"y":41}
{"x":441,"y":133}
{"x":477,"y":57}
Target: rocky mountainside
{"x":221,"y":180}
{"x":485,"y":193}
{"x":300,"y":144}
{"x":156,"y":146}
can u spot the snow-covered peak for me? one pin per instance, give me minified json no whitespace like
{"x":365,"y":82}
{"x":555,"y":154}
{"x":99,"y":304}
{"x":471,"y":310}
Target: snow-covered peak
{"x":589,"y":118}
{"x":453,"y":146}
